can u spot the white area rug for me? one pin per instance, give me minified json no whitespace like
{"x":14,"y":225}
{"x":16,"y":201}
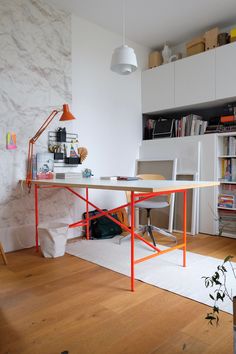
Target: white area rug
{"x":164,"y":271}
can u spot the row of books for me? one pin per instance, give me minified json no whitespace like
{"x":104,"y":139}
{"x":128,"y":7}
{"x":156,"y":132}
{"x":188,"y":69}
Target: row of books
{"x":230,"y":145}
{"x":226,"y":201}
{"x":228,"y":169}
{"x":190,"y":125}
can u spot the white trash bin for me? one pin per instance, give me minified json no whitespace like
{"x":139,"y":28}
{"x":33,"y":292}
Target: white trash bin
{"x":52,"y":238}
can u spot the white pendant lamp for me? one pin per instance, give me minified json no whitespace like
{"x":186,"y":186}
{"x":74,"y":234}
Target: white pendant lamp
{"x":124,"y":60}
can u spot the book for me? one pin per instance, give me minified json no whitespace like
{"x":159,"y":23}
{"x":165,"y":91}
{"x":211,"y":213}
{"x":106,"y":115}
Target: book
{"x":127,"y":178}
{"x":119,"y":178}
{"x":111,"y":178}
{"x":45,"y":165}
{"x":64,"y":175}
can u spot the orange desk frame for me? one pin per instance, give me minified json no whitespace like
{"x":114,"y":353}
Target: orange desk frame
{"x":135,"y":199}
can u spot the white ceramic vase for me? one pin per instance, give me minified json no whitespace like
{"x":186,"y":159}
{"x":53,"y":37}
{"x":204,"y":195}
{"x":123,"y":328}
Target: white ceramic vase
{"x":166,"y":54}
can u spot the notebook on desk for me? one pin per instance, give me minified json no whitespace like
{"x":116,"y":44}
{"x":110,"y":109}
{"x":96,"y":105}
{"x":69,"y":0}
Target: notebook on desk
{"x":120,"y":178}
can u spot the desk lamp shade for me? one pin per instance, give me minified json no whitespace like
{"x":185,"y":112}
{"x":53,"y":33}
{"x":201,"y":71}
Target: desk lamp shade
{"x":66,"y":115}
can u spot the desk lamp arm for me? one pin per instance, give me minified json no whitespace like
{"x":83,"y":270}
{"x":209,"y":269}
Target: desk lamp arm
{"x":33,"y":140}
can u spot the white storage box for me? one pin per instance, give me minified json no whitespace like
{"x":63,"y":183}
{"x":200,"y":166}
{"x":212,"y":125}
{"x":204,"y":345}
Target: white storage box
{"x":52,"y":238}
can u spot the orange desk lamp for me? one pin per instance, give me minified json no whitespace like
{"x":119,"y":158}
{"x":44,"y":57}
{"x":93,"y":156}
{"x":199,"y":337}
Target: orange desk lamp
{"x":66,"y":115}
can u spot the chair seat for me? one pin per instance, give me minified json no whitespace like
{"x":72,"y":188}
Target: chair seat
{"x":148,"y":204}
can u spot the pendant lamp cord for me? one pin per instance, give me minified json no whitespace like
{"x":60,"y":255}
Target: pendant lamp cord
{"x":123,"y":15}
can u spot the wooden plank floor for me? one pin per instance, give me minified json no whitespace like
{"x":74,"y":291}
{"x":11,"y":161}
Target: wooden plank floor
{"x":50,"y":306}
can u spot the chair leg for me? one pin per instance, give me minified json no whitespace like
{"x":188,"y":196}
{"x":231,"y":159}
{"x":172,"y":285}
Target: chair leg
{"x":149,"y":227}
{"x":151,"y":235}
{"x":164,"y":232}
{"x":3,"y":254}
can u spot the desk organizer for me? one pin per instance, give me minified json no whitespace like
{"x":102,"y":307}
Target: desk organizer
{"x":55,"y":146}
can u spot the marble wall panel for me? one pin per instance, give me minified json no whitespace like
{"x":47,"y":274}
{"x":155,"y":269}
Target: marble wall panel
{"x":35,"y":77}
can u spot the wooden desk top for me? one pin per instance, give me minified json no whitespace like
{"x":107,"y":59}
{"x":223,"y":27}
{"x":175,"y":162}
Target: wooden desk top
{"x":146,"y":186}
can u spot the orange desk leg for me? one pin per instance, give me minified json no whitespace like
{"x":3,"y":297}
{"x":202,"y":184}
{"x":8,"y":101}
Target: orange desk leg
{"x":132,"y":229}
{"x":184,"y":226}
{"x":87,"y":215}
{"x":36,"y":217}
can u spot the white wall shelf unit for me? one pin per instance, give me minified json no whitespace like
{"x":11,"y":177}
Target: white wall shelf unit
{"x":195,"y":81}
{"x":195,"y":156}
{"x":225,"y":71}
{"x":157,"y":80}
{"x":202,"y":82}
{"x":226,"y":174}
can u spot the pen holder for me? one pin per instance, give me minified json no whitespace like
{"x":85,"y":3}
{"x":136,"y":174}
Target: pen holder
{"x":72,"y":160}
{"x":58,"y":156}
{"x":61,"y":135}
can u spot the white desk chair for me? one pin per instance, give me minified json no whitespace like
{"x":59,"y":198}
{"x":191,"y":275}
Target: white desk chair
{"x":149,"y":205}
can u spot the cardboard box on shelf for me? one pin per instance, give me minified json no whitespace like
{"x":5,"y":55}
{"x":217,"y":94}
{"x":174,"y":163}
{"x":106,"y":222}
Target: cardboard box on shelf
{"x":197,"y":45}
{"x":211,"y":38}
{"x":155,"y":59}
{"x":233,"y":35}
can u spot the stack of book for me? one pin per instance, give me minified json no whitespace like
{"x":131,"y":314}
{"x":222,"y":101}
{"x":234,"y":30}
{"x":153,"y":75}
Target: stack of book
{"x":226,"y":201}
{"x":65,"y":175}
{"x":228,"y":169}
{"x":227,"y":221}
{"x":190,"y":125}
{"x":230,"y":145}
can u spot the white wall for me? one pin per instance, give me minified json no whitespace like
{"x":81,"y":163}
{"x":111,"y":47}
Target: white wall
{"x":35,"y":75}
{"x":108,"y":105}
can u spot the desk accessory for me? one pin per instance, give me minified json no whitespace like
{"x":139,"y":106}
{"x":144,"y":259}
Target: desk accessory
{"x":87,"y":173}
{"x":61,"y":134}
{"x":66,"y":115}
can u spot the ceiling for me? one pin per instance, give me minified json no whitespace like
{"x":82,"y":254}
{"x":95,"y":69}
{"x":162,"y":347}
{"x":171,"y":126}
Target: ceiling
{"x":153,"y":22}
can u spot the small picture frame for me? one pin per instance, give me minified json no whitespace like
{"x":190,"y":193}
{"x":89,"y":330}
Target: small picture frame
{"x":163,"y":128}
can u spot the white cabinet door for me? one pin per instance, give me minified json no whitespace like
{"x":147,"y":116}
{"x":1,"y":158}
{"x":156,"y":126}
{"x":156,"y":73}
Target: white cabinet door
{"x":158,"y":88}
{"x":225,"y":71}
{"x":195,"y":79}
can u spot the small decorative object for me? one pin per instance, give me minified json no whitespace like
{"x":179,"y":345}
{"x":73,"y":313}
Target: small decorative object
{"x":87,"y":173}
{"x":155,"y":59}
{"x":197,"y":45}
{"x":61,"y":135}
{"x":175,"y":57}
{"x":211,"y":38}
{"x":11,"y":141}
{"x":223,"y":38}
{"x":83,"y":153}
{"x":233,"y":35}
{"x":166,"y":54}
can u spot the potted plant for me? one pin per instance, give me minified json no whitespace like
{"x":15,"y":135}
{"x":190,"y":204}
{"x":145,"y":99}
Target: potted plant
{"x":220,"y":290}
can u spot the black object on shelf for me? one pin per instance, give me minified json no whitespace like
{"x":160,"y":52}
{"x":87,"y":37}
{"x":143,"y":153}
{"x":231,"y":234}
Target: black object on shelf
{"x":148,"y":133}
{"x":61,"y":135}
{"x":72,"y":160}
{"x":58,"y":156}
{"x":163,"y":128}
